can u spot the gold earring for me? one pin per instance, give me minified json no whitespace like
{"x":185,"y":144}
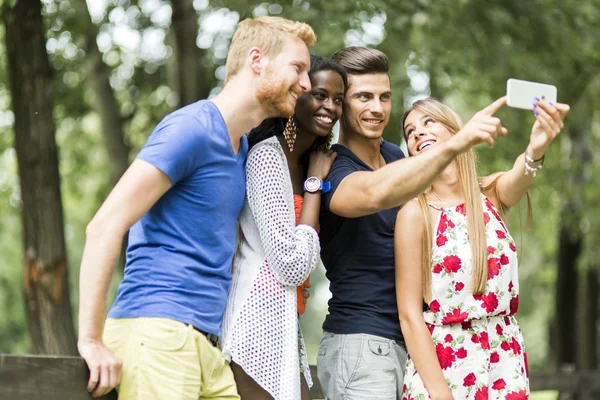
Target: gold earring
{"x":330,"y":140}
{"x":289,"y":133}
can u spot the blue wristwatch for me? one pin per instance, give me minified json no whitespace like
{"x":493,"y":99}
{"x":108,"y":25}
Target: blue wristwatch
{"x":314,"y":184}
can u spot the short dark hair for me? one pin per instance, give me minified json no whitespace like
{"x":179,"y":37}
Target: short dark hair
{"x":359,"y":60}
{"x":319,"y":63}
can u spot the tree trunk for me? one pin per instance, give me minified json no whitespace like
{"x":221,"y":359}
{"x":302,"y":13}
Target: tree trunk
{"x":105,"y":104}
{"x":189,"y":72}
{"x":45,"y":269}
{"x":587,"y":318}
{"x":565,"y":339}
{"x":569,"y":250}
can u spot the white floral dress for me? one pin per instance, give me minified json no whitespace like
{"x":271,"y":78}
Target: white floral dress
{"x":477,"y":339}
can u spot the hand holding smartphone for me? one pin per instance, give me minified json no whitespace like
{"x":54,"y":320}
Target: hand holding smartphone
{"x":521,"y":94}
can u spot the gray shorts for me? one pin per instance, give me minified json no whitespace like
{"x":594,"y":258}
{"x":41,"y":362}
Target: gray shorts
{"x":361,"y":366}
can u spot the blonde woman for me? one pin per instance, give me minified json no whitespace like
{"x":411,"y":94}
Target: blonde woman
{"x":455,"y":255}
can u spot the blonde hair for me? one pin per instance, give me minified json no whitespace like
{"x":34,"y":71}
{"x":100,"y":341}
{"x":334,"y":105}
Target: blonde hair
{"x":266,"y":33}
{"x":469,"y":184}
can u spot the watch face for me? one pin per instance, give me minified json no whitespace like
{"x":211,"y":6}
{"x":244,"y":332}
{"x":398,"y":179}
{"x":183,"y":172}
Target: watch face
{"x":312,"y":184}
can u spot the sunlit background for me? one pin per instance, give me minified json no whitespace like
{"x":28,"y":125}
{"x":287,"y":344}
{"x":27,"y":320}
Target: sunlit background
{"x":461,"y":51}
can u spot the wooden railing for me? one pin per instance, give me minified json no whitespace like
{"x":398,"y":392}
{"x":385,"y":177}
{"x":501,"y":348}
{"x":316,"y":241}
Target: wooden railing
{"x":65,"y":378}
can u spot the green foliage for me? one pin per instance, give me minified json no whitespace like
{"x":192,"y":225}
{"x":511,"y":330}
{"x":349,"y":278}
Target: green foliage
{"x":460,"y":51}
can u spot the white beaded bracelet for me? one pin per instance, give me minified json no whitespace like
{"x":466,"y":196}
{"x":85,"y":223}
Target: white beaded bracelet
{"x":530,"y":169}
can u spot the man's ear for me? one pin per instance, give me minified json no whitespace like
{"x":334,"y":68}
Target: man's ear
{"x":256,"y":60}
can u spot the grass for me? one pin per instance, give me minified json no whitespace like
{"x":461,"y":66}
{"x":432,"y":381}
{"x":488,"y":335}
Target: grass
{"x":544,"y":395}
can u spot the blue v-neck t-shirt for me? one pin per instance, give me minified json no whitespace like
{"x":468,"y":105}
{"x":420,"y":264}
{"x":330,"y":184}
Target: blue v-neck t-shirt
{"x":180,"y":252}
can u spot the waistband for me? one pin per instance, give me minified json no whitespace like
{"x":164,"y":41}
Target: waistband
{"x":214,"y":339}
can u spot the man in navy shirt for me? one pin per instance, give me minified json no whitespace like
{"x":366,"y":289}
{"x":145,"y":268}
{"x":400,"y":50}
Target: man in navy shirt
{"x":181,"y":198}
{"x":362,"y":353}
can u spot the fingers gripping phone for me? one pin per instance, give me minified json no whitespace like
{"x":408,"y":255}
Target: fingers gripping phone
{"x":522,"y":94}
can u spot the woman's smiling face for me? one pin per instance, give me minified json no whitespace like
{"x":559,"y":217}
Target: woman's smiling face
{"x":321,"y":107}
{"x":422,"y":131}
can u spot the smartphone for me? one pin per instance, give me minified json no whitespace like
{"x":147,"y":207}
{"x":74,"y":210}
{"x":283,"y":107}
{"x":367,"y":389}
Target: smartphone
{"x":521,"y":94}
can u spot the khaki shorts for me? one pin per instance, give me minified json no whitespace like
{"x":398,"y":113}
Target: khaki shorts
{"x":361,"y":366}
{"x":165,"y":359}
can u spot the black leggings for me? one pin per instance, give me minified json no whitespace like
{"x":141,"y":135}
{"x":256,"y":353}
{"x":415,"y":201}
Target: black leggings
{"x":248,"y":389}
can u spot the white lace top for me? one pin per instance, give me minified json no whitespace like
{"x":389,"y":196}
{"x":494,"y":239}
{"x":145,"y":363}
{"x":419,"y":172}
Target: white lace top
{"x":260,"y":329}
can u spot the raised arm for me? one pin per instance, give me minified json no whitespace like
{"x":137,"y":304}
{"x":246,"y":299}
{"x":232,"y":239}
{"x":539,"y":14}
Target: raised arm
{"x":139,"y":188}
{"x":363,"y":193}
{"x":408,"y":250}
{"x":513,"y":184}
{"x":292,"y":251}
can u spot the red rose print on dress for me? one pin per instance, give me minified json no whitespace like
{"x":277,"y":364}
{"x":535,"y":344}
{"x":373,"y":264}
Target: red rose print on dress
{"x":452,"y":264}
{"x":469,"y":380}
{"x":516,"y":347}
{"x":484,"y":341}
{"x":490,"y":301}
{"x":455,"y":316}
{"x":494,"y":357}
{"x":441,"y":240}
{"x":493,"y":267}
{"x":490,"y":206}
{"x":520,"y":395}
{"x":514,"y":305}
{"x":445,"y":355}
{"x":461,"y":209}
{"x":499,"y":384}
{"x":482,"y":393}
{"x":444,"y":224}
{"x":478,"y":336}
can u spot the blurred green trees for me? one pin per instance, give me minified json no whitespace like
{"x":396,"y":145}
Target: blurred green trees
{"x":121,"y":65}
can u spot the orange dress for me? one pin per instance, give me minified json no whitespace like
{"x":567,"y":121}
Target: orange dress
{"x":298,"y":202}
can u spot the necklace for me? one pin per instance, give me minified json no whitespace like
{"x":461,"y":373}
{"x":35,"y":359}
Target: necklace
{"x":436,"y":195}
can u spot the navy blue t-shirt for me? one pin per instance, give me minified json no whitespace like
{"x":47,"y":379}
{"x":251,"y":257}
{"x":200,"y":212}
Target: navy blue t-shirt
{"x":358,"y":254}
